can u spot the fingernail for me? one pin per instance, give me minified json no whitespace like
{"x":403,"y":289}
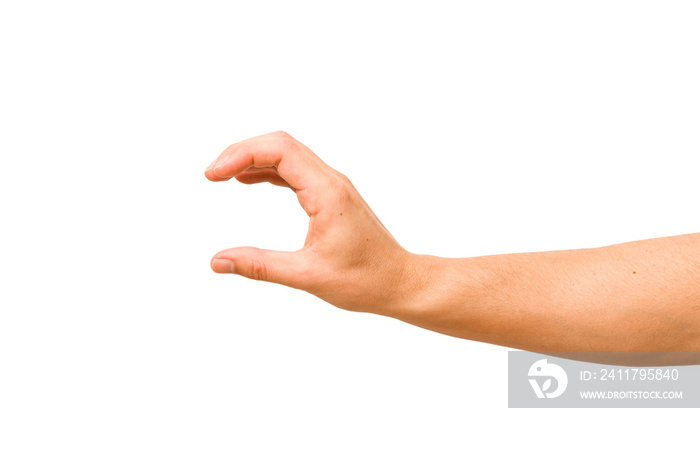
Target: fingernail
{"x":217,"y":170}
{"x":222,"y":266}
{"x":220,"y":164}
{"x":211,"y":165}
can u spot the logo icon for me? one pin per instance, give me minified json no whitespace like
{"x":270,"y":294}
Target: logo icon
{"x":546,"y":372}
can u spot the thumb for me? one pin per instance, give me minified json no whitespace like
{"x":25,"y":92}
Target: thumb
{"x":285,"y":268}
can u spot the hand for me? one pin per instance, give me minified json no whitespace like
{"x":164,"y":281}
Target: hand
{"x":349,"y":258}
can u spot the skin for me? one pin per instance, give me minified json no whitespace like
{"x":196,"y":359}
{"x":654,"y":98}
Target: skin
{"x":621,"y":304}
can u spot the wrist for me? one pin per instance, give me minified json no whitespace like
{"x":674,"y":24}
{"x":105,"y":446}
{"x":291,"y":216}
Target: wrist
{"x":418,"y":291}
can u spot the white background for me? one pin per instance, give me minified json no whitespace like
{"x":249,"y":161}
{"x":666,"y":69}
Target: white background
{"x":471,"y":128}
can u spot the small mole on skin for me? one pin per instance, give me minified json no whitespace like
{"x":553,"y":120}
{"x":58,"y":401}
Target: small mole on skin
{"x":634,"y":272}
{"x":341,"y":213}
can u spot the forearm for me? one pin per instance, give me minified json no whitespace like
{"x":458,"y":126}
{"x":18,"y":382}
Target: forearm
{"x":640,"y":296}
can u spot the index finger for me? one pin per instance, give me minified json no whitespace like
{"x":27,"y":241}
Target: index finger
{"x":294,"y":162}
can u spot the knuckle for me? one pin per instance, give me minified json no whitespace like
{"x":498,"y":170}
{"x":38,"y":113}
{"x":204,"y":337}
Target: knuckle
{"x":285,"y":141}
{"x":282,"y":134}
{"x":257,"y":270}
{"x":344,"y":181}
{"x":343,"y":189}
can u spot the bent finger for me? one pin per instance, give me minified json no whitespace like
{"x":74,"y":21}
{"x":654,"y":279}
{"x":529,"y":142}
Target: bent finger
{"x":294,"y":162}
